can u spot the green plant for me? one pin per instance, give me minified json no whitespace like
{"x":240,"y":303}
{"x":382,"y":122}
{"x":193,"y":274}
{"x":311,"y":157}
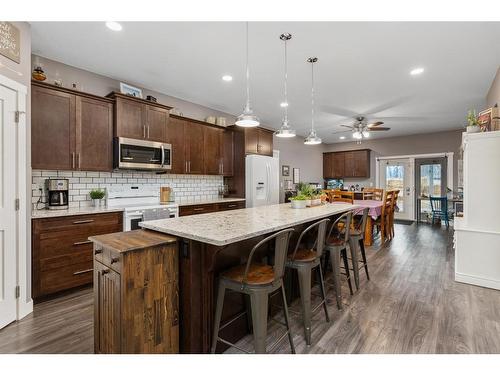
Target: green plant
{"x":299,"y":197}
{"x":306,"y":190}
{"x":97,"y":194}
{"x":472,"y":118}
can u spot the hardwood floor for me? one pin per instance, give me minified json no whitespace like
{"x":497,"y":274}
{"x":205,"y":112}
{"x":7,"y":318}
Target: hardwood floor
{"x":410,"y":305}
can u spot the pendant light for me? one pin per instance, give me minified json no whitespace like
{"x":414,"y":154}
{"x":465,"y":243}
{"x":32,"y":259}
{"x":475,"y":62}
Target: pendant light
{"x":285,"y":131}
{"x":247,"y":119}
{"x":312,"y":138}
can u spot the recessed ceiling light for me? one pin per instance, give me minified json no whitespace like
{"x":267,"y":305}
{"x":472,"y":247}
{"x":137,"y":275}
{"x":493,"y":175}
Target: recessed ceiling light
{"x":342,"y":137}
{"x":227,"y":78}
{"x":115,"y":26}
{"x":417,"y":71}
{"x":283,"y":104}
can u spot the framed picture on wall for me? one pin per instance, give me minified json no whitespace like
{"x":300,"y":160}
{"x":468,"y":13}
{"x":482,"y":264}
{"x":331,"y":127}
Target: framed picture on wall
{"x":296,"y":175}
{"x":285,"y":170}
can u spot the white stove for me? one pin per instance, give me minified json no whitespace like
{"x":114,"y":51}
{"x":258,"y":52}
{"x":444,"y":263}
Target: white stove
{"x":139,"y":203}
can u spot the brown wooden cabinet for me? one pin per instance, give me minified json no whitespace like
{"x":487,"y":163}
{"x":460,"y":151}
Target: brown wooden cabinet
{"x":227,"y":151}
{"x":342,"y":164}
{"x":175,"y":136}
{"x":205,"y":208}
{"x":61,"y":251}
{"x":139,"y":119}
{"x":258,"y":141}
{"x":70,"y":130}
{"x":194,"y":148}
{"x":136,"y":293}
{"x":212,"y":148}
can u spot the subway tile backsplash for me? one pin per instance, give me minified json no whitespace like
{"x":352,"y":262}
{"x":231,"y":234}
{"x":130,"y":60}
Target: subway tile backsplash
{"x":186,"y":187}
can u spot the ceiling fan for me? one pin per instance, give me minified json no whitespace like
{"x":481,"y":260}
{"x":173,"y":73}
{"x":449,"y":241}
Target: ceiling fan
{"x":361,"y":128}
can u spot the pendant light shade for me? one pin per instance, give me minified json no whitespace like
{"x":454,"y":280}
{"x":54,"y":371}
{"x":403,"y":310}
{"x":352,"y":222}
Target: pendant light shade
{"x":312,"y":138}
{"x":247,"y":119}
{"x":285,"y":131}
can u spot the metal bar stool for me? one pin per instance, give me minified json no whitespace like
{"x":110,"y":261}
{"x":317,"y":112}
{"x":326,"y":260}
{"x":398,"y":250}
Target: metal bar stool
{"x":357,"y":243}
{"x":304,"y":259}
{"x":257,"y":281}
{"x":336,"y":245}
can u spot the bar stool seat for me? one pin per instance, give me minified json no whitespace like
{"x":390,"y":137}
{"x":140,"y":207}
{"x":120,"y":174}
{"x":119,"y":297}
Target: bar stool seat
{"x":258,"y":274}
{"x":304,"y":255}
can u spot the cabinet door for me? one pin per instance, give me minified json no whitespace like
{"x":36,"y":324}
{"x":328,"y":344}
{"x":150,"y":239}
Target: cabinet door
{"x":175,"y":136}
{"x":156,"y":123}
{"x":227,"y":146}
{"x":94,"y":135}
{"x":338,"y":165}
{"x":212,"y":138}
{"x":265,"y":143}
{"x":327,"y":166}
{"x":251,"y":141}
{"x":349,"y":164}
{"x":130,"y":119}
{"x":193,"y":134}
{"x":361,"y":163}
{"x":107,"y":310}
{"x":52,"y":129}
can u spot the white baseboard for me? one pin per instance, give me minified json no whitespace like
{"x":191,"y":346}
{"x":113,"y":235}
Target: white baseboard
{"x":474,"y":280}
{"x":24,"y":308}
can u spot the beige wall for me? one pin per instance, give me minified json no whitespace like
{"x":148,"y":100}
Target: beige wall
{"x":448,"y":141}
{"x":493,"y":96}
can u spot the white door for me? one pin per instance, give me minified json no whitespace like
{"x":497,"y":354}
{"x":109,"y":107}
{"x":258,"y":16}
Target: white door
{"x":8,"y":106}
{"x":398,"y":174}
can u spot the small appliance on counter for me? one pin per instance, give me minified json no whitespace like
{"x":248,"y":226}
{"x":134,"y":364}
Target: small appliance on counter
{"x":223,"y":191}
{"x":58,"y":190}
{"x":165,"y":195}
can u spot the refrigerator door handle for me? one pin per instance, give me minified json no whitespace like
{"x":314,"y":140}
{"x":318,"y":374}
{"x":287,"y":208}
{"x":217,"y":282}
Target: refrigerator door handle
{"x":268,"y":172}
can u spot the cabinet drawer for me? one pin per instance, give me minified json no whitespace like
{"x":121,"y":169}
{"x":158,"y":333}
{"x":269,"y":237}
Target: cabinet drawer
{"x":80,"y":256}
{"x":94,"y":221}
{"x":66,"y":277}
{"x":108,"y":257}
{"x":231,"y":205}
{"x":197,"y":209}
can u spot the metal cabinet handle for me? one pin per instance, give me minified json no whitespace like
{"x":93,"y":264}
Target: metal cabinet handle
{"x":82,"y":243}
{"x":189,"y":164}
{"x":98,"y":251}
{"x":148,"y":131}
{"x":83,"y":221}
{"x":231,"y":205}
{"x":199,"y":209}
{"x":79,"y":160}
{"x":104,"y":272}
{"x":84,"y":271}
{"x":72,"y":160}
{"x":143,"y":131}
{"x":114,"y":260}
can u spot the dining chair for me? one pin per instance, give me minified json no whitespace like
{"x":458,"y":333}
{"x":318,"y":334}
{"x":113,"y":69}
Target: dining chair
{"x":306,"y":258}
{"x":344,"y":196}
{"x":257,"y":281}
{"x":373,"y":194}
{"x":439,"y":208}
{"x":333,"y":194}
{"x":393,"y":210}
{"x":383,"y":221}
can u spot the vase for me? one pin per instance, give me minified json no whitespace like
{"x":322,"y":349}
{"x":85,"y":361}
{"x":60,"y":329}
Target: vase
{"x":298,"y":204}
{"x":473,"y":129}
{"x":97,"y":203}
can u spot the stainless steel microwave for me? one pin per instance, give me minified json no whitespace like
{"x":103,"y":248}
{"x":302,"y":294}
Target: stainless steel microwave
{"x":141,"y":154}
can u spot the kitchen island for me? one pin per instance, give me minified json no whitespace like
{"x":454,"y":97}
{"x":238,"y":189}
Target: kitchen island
{"x":213,"y":242}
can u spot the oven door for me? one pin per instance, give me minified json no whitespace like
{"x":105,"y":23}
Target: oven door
{"x":139,"y":154}
{"x":132,"y":221}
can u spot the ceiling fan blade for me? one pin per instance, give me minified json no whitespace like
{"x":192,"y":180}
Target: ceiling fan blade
{"x":348,"y":126}
{"x":378,"y":129}
{"x":402,"y":118}
{"x":375,"y":124}
{"x":338,"y":111}
{"x":342,"y":131}
{"x":387,"y":105}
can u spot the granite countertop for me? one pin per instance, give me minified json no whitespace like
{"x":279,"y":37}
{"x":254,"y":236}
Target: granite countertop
{"x":41,"y":214}
{"x":210,"y":201}
{"x":225,"y":227}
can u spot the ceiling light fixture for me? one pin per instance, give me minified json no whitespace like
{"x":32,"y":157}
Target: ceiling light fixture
{"x":285,"y":131}
{"x":342,"y":137}
{"x":312,"y":138}
{"x":227,"y":78}
{"x":417,"y":71}
{"x":247,"y":119}
{"x":115,"y":26}
{"x":365,"y":133}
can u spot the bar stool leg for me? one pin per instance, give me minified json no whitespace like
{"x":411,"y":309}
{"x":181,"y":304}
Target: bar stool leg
{"x":335,"y":259}
{"x":287,"y":319}
{"x":354,"y":258}
{"x":259,"y":302}
{"x":363,"y":256}
{"x":218,"y":315}
{"x":346,"y":267}
{"x":323,"y":294}
{"x":304,"y":274}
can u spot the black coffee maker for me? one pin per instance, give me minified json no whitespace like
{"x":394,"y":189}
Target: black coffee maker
{"x":58,"y":193}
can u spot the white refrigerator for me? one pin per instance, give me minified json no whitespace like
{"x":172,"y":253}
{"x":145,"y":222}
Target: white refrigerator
{"x":262,"y":180}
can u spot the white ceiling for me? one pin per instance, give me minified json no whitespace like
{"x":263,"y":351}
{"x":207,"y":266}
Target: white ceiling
{"x":363,"y":67}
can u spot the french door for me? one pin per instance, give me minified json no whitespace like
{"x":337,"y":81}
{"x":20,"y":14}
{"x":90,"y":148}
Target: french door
{"x":398,"y":174}
{"x":8,"y":217}
{"x":430,"y":180}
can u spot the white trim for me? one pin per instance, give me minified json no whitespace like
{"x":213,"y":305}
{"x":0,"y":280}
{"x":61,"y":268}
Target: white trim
{"x":475,"y":280}
{"x":11,"y":84}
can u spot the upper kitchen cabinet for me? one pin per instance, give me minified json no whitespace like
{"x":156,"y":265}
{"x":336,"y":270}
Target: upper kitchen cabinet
{"x":227,"y":151}
{"x":258,"y":141}
{"x":194,"y":148}
{"x":212,"y":138}
{"x":139,"y":119}
{"x":70,"y":130}
{"x":346,"y":164}
{"x":175,"y":136}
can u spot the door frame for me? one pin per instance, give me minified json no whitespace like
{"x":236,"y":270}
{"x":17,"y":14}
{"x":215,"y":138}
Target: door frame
{"x":23,"y":248}
{"x":412,"y":157}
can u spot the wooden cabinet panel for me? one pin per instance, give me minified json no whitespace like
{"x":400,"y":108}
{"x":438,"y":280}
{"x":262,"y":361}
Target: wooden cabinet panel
{"x":346,"y":164}
{"x":251,"y":141}
{"x":175,"y":136}
{"x":94,"y":129}
{"x":361,"y":163}
{"x":193,"y":135}
{"x":227,"y":147}
{"x":230,"y":206}
{"x":195,"y":209}
{"x":349,"y":164}
{"x":156,"y":123}
{"x":258,"y":141}
{"x":52,"y":129}
{"x":212,"y":138}
{"x":338,"y":165}
{"x":327,"y":165}
{"x":265,"y":142}
{"x":130,"y":119}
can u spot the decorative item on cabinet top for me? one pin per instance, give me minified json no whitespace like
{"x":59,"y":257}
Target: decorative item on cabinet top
{"x":130,"y":90}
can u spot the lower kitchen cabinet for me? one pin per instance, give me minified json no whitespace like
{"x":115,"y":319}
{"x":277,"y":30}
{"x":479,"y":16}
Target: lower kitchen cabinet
{"x":195,"y":209}
{"x":136,"y":294}
{"x":62,"y":252}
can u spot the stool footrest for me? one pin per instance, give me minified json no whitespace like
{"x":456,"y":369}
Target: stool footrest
{"x":232,"y":320}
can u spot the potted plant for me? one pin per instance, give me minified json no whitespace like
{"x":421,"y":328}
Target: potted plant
{"x":97,"y":195}
{"x":299,"y":201}
{"x":472,"y":122}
